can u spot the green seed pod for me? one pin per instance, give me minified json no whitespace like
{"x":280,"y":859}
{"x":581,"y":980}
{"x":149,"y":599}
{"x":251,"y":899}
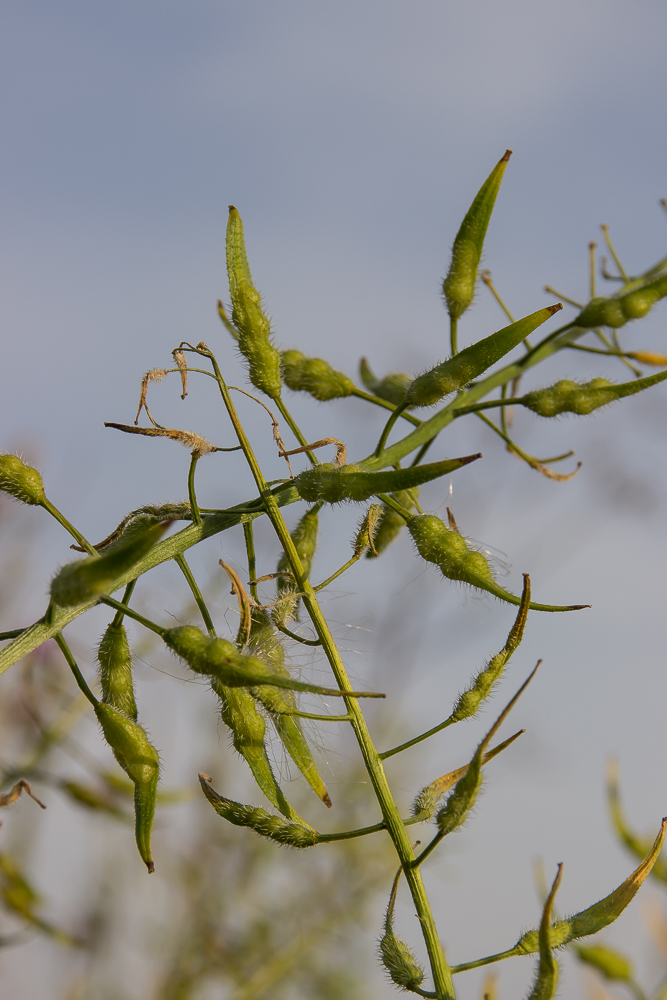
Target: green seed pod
{"x":21,"y":481}
{"x":366,"y":530}
{"x":468,"y":364}
{"x":88,"y":578}
{"x":601,"y":914}
{"x":332,"y":484}
{"x":313,"y":375}
{"x":546,"y":979}
{"x":611,"y":964}
{"x":392,"y":387}
{"x":584,"y":397}
{"x":115,"y":660}
{"x":618,"y":311}
{"x":266,"y":825}
{"x":248,"y":316}
{"x":390,"y":523}
{"x":436,"y":543}
{"x":480,"y":688}
{"x":459,"y":285}
{"x":396,"y":957}
{"x":139,"y":759}
{"x":304,"y":537}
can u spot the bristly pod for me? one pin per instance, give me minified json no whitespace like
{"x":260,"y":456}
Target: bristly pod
{"x":459,"y":285}
{"x":390,"y":523}
{"x":115,"y":660}
{"x":273,"y":827}
{"x":140,"y":761}
{"x":327,"y":483}
{"x":607,"y":961}
{"x":313,"y":375}
{"x":618,"y":311}
{"x":467,"y":365}
{"x":365,"y":534}
{"x":546,"y":979}
{"x":436,"y":543}
{"x":392,"y":387}
{"x":395,"y":955}
{"x":304,"y":537}
{"x":21,"y":481}
{"x":584,"y":397}
{"x":599,"y":915}
{"x":89,"y":578}
{"x":469,"y":701}
{"x":221,"y":659}
{"x":248,"y":317}
{"x":280,"y":703}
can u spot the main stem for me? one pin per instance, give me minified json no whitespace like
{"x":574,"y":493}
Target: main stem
{"x":442,"y":978}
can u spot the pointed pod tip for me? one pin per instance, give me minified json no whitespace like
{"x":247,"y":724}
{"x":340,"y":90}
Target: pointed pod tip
{"x":150,"y":866}
{"x":470,"y":458}
{"x":232,"y":208}
{"x":327,"y":801}
{"x":556,"y":307}
{"x":506,"y":155}
{"x":204,"y":777}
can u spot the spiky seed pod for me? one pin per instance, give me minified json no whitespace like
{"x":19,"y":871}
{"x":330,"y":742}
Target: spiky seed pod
{"x":248,"y":317}
{"x":467,"y":365}
{"x":273,"y":827}
{"x":395,"y":955}
{"x":608,"y":962}
{"x":392,"y":387}
{"x":364,"y":537}
{"x":140,"y":761}
{"x":115,"y":660}
{"x":327,"y":483}
{"x":618,"y":311}
{"x":88,"y":578}
{"x":21,"y":481}
{"x":313,"y":375}
{"x":546,"y":978}
{"x":304,"y":537}
{"x":390,"y":523}
{"x":459,"y":285}
{"x":584,"y":397}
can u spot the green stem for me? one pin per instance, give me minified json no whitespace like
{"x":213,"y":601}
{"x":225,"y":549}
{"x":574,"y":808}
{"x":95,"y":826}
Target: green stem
{"x":293,"y":426}
{"x":360,"y":394}
{"x":339,"y":572}
{"x":249,"y":538}
{"x":12,"y":634}
{"x":418,"y":739}
{"x":194,"y":509}
{"x":132,"y":614}
{"x":118,"y":617}
{"x":61,"y":519}
{"x":489,"y":960}
{"x":78,"y":676}
{"x":318,"y":718}
{"x":179,"y":559}
{"x":395,"y":505}
{"x":297,"y":638}
{"x":453,"y":334}
{"x":387,"y":428}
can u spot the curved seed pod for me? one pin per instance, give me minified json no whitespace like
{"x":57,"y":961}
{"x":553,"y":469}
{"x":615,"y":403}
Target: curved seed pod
{"x":396,"y":957}
{"x":115,"y":660}
{"x":144,"y":517}
{"x":263,"y":823}
{"x":584,"y":397}
{"x":480,"y":688}
{"x":639,"y":846}
{"x":429,"y":388}
{"x":140,"y":761}
{"x":88,"y":578}
{"x":436,"y":543}
{"x":248,"y":316}
{"x":608,"y":962}
{"x":618,"y":311}
{"x":459,"y":285}
{"x":601,"y":914}
{"x":21,"y":481}
{"x":279,"y":703}
{"x":330,"y":484}
{"x":366,"y":530}
{"x":304,"y":537}
{"x":391,"y":523}
{"x":392,"y":387}
{"x":313,"y":375}
{"x":546,"y":979}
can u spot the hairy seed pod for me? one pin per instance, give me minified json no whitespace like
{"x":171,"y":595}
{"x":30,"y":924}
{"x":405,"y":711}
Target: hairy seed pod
{"x":331,"y":484}
{"x":365,"y":534}
{"x":618,"y":311}
{"x":313,"y":375}
{"x":304,"y":537}
{"x":459,"y":285}
{"x":248,"y":316}
{"x":88,"y":578}
{"x":115,"y":660}
{"x":259,"y":820}
{"x":390,"y":523}
{"x":546,"y":979}
{"x":584,"y":397}
{"x":433,"y":385}
{"x":139,"y":759}
{"x":392,"y":387}
{"x":601,"y":914}
{"x":608,"y":962}
{"x":436,"y":543}
{"x":395,"y":955}
{"x":21,"y":481}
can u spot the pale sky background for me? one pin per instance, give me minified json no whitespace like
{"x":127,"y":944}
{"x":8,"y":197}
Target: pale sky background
{"x":352,"y":137}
